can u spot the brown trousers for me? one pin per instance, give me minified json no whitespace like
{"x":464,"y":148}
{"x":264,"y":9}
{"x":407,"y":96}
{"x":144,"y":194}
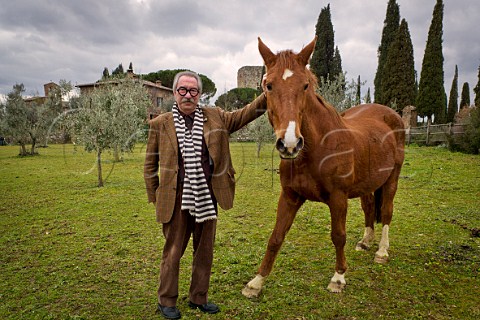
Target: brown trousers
{"x":177,"y":234}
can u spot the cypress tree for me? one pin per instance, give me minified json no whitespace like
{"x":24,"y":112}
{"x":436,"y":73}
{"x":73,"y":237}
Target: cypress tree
{"x":358,"y":97}
{"x":399,"y":72}
{"x":390,"y":27}
{"x":322,"y":59}
{"x":118,"y":72}
{"x":431,"y":98}
{"x":477,"y":91}
{"x":453,"y":98}
{"x":465,"y":98}
{"x":368,"y":98}
{"x":105,"y":74}
{"x":337,"y":63}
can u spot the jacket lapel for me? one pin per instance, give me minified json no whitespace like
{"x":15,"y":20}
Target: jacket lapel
{"x":207,"y":127}
{"x":169,"y":127}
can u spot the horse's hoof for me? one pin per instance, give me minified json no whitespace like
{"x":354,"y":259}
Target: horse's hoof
{"x":336,"y":287}
{"x":251,"y":293}
{"x":381,"y":259}
{"x":361,"y":247}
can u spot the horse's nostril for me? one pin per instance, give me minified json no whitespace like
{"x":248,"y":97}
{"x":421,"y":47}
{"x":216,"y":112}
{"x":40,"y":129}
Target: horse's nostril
{"x":299,"y":144}
{"x":280,"y":145}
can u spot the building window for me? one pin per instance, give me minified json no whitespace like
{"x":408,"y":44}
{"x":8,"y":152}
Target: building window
{"x":159,"y":102}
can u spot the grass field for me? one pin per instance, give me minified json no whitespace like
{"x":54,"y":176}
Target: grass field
{"x":70,"y":250}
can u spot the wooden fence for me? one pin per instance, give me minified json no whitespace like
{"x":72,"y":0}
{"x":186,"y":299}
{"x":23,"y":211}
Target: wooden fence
{"x":434,"y":134}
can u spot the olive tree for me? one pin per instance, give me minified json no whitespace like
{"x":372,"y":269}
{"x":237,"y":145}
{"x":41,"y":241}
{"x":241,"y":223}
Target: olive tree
{"x":340,"y":93}
{"x":111,"y":117}
{"x":261,"y":132}
{"x":18,"y":120}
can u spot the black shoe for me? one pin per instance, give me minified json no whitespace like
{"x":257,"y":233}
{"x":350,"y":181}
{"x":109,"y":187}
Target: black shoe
{"x":169,"y":312}
{"x":207,"y":307}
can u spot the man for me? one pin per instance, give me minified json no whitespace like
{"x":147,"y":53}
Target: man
{"x":188,"y":170}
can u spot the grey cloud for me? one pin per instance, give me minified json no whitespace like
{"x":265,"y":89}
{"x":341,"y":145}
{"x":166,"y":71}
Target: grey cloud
{"x":74,"y":40}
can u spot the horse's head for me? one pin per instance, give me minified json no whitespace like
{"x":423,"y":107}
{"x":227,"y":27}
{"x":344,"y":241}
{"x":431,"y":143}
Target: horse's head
{"x":287,"y":83}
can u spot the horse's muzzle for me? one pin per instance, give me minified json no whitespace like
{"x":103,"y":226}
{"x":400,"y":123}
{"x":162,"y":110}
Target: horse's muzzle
{"x":289,"y":152}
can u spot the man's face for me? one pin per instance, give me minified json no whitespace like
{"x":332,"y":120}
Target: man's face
{"x":186,"y":103}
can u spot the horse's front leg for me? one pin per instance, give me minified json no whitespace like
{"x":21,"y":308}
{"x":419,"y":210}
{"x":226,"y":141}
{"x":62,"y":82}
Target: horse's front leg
{"x":338,"y":211}
{"x":286,"y":211}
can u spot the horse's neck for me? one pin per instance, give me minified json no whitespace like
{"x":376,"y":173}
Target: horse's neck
{"x":320,"y":119}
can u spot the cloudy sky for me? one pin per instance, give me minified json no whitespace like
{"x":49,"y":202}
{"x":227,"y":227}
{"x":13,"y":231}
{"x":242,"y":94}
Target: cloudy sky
{"x":49,"y":40}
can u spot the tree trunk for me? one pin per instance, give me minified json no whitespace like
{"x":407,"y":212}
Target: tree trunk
{"x":23,"y":150}
{"x":259,"y":148}
{"x":99,"y":167}
{"x":116,"y":154}
{"x":32,"y":150}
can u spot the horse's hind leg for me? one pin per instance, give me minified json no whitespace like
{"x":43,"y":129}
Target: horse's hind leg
{"x":368,"y":206}
{"x":388,"y":191}
{"x":286,"y":212}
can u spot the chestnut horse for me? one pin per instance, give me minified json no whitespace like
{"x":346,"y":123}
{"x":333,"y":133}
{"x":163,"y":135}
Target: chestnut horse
{"x":328,"y":157}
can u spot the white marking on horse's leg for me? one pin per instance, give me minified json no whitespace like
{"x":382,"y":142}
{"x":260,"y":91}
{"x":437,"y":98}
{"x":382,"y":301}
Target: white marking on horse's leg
{"x":337,"y":283}
{"x":254,"y":287}
{"x":287,"y":73}
{"x":381,"y":256}
{"x":366,"y":242}
{"x":290,"y":138}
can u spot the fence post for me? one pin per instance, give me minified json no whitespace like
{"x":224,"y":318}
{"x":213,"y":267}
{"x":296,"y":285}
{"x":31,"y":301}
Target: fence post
{"x":428,"y":132}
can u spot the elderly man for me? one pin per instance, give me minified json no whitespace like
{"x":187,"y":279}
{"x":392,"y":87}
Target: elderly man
{"x":188,"y":170}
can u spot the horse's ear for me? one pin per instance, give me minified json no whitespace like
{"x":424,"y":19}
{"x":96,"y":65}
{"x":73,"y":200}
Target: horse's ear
{"x":304,"y":55}
{"x":266,"y":53}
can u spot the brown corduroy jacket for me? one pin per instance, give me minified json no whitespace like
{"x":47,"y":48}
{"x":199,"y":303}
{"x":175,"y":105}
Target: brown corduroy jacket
{"x":161,"y":160}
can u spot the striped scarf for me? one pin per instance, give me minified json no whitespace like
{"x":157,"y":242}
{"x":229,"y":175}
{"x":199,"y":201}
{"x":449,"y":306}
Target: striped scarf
{"x":196,"y":195}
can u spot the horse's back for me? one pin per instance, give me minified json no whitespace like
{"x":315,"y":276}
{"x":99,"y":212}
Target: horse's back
{"x":374,"y":111}
{"x":364,"y":115}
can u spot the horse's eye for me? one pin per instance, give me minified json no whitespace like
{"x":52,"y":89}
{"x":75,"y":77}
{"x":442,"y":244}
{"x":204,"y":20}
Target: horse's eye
{"x":269,"y":87}
{"x":305,"y":87}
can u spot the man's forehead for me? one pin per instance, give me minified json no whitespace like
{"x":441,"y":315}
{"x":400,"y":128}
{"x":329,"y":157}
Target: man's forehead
{"x":187,"y":80}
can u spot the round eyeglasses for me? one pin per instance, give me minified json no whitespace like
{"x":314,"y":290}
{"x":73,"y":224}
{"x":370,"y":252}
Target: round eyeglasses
{"x":183,"y":91}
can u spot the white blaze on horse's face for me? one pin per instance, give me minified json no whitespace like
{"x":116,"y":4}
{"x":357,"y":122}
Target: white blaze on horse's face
{"x":290,"y":136}
{"x":287,"y":73}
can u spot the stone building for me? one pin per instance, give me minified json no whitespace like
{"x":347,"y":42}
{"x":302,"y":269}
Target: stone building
{"x":160,"y":96}
{"x":249,"y":77}
{"x":39,"y":100}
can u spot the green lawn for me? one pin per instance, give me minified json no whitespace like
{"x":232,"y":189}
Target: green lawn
{"x":70,"y":250}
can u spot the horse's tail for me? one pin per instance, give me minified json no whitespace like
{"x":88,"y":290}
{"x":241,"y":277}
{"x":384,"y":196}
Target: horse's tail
{"x":378,"y":204}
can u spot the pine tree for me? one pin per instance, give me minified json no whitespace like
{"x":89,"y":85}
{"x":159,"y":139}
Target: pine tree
{"x":476,"y":90}
{"x":390,"y":27}
{"x":465,"y":98}
{"x":431,"y":98}
{"x":323,"y":56}
{"x":453,"y":98}
{"x":399,"y":71}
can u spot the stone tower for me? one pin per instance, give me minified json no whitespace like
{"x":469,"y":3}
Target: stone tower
{"x":249,"y":77}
